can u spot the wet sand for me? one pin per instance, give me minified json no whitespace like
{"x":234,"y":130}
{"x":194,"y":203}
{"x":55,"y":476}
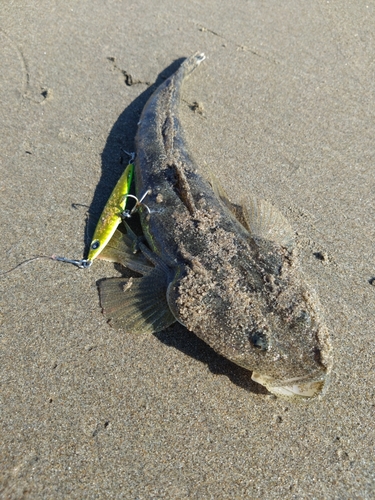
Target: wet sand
{"x":285,"y":111}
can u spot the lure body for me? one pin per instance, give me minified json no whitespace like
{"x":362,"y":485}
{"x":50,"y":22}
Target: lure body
{"x":112,"y":214}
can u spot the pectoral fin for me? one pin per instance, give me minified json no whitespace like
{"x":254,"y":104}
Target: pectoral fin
{"x":137,"y":305}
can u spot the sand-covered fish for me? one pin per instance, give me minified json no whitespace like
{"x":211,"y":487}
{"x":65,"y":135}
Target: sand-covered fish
{"x":229,"y":273}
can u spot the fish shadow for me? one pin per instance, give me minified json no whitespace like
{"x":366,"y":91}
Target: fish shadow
{"x":114,"y":158}
{"x":187,"y":342}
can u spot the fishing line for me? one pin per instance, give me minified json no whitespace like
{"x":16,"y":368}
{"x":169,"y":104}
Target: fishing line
{"x":83,"y":263}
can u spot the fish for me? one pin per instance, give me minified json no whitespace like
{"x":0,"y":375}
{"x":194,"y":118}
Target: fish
{"x":228,"y":272}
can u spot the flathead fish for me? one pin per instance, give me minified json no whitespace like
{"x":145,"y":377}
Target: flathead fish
{"x":229,"y":273}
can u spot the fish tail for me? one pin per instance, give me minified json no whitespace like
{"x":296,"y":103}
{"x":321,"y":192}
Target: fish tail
{"x":175,"y":82}
{"x":189,"y":65}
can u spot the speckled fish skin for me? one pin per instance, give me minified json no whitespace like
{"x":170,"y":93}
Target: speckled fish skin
{"x":234,"y":278}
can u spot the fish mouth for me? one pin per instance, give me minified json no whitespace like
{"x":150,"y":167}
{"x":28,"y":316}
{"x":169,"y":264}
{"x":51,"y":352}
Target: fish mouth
{"x":297,"y":388}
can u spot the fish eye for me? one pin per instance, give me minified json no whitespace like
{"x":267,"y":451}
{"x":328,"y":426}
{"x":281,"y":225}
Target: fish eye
{"x":95,"y":244}
{"x":304,"y":317}
{"x":258,"y":339}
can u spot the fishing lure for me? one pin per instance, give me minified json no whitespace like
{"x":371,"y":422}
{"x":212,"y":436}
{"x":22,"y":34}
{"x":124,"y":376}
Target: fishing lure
{"x":113,"y":213}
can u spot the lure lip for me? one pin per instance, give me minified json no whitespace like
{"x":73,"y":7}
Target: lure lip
{"x":299,"y":387}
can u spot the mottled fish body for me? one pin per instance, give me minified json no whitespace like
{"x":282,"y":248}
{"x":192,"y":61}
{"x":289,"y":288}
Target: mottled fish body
{"x":229,"y":273}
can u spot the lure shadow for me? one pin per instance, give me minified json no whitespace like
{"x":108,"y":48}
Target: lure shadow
{"x":114,"y":160}
{"x":179,"y":337}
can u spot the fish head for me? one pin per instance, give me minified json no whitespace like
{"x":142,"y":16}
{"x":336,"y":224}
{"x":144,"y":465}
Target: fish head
{"x":288,"y":331}
{"x":270,"y":326}
{"x":296,"y":348}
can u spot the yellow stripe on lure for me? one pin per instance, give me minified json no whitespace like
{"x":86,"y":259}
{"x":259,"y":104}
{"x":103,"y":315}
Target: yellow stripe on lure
{"x":112,"y":214}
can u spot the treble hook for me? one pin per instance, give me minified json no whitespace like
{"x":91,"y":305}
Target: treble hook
{"x":127,"y":213}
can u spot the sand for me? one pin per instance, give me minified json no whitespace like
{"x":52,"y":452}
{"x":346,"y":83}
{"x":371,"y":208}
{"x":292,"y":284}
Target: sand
{"x":285,"y":110}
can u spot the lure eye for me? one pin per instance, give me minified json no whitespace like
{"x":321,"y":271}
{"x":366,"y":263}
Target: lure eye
{"x":258,"y":339}
{"x":95,"y":244}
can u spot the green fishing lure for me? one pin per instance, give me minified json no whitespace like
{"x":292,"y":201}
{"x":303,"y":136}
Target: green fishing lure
{"x":112,"y":215}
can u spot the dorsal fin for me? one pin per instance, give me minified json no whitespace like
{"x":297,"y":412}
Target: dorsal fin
{"x":259,"y":217}
{"x":235,"y":210}
{"x":219,"y":190}
{"x":265,"y":221}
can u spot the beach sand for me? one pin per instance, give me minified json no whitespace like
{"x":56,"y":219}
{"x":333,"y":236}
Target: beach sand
{"x":287,"y":101}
